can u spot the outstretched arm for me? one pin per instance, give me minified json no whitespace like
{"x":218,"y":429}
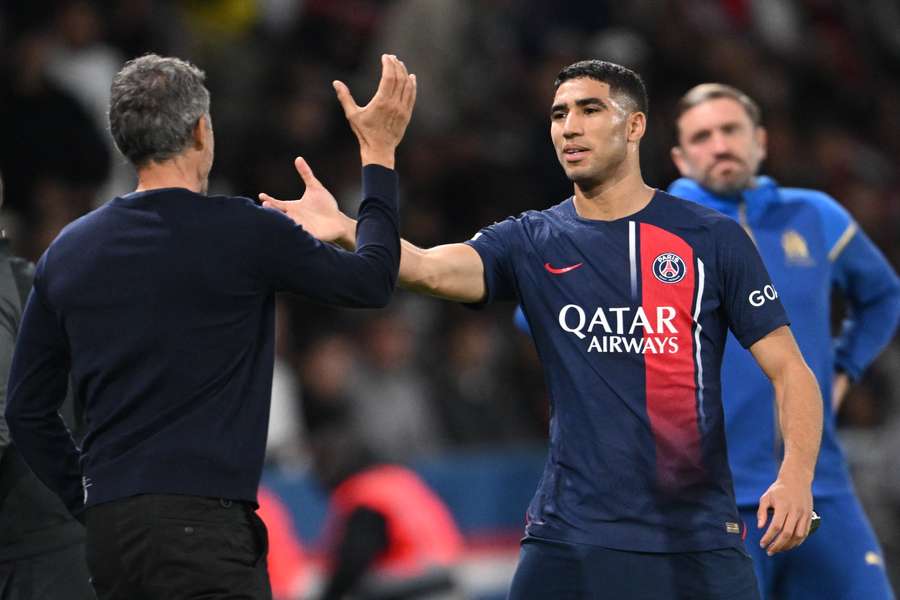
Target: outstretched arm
{"x":451,"y":271}
{"x":800,"y":411}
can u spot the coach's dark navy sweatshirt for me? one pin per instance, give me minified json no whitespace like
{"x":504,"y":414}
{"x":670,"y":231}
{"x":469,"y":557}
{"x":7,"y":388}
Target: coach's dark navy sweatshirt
{"x":160,"y":305}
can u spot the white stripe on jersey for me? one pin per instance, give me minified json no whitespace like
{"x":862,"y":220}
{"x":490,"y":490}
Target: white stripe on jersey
{"x":632,"y":250}
{"x":699,"y":358}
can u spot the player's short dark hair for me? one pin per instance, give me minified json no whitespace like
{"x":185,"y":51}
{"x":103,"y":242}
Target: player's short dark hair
{"x":621,"y":80}
{"x":154,"y":106}
{"x":711,"y":91}
{"x":1,"y":190}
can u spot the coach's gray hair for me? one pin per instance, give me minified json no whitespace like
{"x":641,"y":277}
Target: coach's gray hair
{"x":155,"y":104}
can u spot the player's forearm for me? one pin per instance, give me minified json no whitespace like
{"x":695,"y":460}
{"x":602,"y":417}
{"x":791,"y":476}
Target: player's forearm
{"x":414,"y":270}
{"x":433,"y":271}
{"x":412,"y":263}
{"x":800,"y":416}
{"x":414,"y":275}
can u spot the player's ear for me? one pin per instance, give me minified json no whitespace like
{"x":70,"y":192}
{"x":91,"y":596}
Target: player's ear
{"x":762,"y":139}
{"x":637,"y":126}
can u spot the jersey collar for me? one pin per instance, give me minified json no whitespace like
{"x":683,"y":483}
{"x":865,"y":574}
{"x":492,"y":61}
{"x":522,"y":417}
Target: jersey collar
{"x":756,"y":198}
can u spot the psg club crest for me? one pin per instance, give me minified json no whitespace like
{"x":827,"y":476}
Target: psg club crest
{"x":669,"y":268}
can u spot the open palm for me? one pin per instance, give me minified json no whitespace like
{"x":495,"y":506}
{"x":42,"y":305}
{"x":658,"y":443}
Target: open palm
{"x":316,"y":211}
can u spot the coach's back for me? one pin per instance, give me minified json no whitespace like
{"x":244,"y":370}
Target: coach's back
{"x":161,"y":303}
{"x":160,"y":308}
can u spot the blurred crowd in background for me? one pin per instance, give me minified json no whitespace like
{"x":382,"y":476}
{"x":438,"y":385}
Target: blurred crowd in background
{"x":422,"y":377}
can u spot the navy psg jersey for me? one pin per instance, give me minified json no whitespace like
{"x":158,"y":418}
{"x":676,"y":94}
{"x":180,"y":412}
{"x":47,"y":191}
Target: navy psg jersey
{"x":630,"y":320}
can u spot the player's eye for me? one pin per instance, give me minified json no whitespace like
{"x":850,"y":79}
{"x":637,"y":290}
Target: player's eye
{"x":700,"y":137}
{"x":557,"y":115}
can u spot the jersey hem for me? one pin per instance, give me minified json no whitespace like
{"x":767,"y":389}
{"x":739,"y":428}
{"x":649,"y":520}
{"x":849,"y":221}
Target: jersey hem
{"x":716,"y":542}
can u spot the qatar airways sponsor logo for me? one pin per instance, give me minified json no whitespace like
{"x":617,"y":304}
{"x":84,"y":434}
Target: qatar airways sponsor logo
{"x":622,"y":328}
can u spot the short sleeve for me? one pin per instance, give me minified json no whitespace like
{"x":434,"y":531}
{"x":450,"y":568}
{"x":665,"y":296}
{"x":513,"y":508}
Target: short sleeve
{"x":750,"y":300}
{"x":496,"y":246}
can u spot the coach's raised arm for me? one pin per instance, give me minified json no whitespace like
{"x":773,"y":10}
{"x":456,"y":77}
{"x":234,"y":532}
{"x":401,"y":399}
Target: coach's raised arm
{"x":379,"y":127}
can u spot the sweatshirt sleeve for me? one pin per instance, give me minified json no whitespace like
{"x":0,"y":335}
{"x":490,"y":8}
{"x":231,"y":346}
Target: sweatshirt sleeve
{"x":37,"y":388}
{"x":872,"y":291}
{"x":295,"y":261}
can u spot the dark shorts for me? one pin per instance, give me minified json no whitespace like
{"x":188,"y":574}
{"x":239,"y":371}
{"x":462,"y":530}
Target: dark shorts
{"x":564,"y":571}
{"x":151,"y":547}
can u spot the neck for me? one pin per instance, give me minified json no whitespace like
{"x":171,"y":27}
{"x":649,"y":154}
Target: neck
{"x":614,"y":198}
{"x":177,"y":172}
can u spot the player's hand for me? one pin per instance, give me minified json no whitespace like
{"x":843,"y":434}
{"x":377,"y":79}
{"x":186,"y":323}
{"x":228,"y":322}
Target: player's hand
{"x":316,"y":211}
{"x":379,"y":125}
{"x":839,"y":388}
{"x":789,"y":500}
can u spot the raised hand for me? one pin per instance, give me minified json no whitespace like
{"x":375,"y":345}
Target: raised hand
{"x":379,"y":125}
{"x":316,"y":211}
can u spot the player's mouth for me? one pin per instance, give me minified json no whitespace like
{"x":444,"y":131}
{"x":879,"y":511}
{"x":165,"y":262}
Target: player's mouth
{"x":728,"y":163}
{"x":573,"y":153}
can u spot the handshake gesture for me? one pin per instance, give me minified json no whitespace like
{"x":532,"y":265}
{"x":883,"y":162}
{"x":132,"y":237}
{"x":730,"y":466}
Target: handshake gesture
{"x":379,"y":126}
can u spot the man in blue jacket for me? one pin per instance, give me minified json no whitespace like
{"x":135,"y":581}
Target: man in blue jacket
{"x":809,"y":244}
{"x":161,"y":305}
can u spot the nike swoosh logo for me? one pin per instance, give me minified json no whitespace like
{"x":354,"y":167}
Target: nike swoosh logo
{"x":556,"y":271}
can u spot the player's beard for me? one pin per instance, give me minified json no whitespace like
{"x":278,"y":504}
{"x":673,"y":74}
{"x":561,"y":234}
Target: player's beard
{"x":728,"y":186}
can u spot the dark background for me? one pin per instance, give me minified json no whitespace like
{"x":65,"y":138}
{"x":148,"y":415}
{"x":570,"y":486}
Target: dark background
{"x":424,"y":378}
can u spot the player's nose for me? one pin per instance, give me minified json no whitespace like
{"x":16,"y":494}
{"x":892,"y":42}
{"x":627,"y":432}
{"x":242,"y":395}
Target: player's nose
{"x":572,"y":126}
{"x":719,"y":144}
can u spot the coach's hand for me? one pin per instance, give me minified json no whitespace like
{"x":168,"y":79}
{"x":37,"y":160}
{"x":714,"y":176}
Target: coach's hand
{"x":379,"y":125}
{"x":316,"y":211}
{"x":791,"y":504}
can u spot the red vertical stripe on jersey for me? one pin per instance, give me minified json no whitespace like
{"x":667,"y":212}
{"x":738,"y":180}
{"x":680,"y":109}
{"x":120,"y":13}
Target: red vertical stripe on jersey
{"x":671,"y":376}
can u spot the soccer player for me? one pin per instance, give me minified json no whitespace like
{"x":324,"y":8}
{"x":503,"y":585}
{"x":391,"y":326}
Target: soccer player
{"x":629,"y":293}
{"x":160,"y":305}
{"x":810,"y":245}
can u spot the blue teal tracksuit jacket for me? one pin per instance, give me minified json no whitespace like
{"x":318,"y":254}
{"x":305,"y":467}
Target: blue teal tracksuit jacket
{"x":810,"y":244}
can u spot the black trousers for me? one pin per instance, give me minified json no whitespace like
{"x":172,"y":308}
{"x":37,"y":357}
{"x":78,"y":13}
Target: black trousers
{"x":167,"y":547}
{"x":57,"y":575}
